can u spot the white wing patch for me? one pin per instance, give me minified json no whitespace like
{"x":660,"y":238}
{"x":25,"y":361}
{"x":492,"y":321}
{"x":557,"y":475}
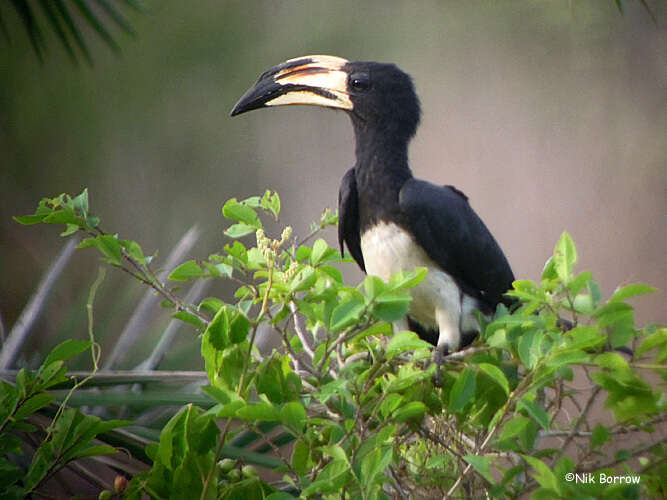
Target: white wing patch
{"x":437,"y":301}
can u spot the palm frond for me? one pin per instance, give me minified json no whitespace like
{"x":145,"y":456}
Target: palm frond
{"x":99,"y":15}
{"x":52,"y":16}
{"x":76,"y":34}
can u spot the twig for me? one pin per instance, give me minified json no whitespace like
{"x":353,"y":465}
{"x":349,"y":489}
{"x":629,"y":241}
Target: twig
{"x":276,"y":450}
{"x":21,"y":330}
{"x":469,"y":466}
{"x":427,"y":434}
{"x":135,"y":326}
{"x":163,"y":345}
{"x":580,"y":421}
{"x":398,"y":486}
{"x":300,"y":333}
{"x":466,"y":352}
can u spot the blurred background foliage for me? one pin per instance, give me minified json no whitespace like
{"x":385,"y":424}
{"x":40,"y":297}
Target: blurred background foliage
{"x":550,"y":115}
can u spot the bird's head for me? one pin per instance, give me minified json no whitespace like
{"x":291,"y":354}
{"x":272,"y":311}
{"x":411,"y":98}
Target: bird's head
{"x":379,"y":97}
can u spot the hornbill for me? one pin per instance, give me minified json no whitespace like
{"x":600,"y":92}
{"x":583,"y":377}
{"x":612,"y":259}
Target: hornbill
{"x":389,"y":220}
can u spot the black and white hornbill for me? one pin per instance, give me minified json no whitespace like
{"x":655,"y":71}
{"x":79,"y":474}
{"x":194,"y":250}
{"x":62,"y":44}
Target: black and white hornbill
{"x":389,"y":220}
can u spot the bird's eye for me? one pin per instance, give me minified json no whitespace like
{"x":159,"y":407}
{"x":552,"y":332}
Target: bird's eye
{"x":359,"y":81}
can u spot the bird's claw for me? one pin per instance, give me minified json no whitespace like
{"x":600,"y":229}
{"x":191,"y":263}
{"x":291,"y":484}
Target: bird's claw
{"x":439,"y":355}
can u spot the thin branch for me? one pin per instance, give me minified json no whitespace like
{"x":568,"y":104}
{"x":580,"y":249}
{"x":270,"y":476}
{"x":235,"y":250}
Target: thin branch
{"x":276,"y":450}
{"x":398,"y":486}
{"x":427,"y":434}
{"x":466,"y":352}
{"x":299,"y":331}
{"x":163,"y":345}
{"x":580,"y":420}
{"x":135,"y":326}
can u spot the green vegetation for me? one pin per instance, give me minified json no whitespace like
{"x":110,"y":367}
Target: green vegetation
{"x":344,"y":407}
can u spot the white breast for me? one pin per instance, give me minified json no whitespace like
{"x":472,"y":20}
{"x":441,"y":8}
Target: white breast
{"x":437,"y":301}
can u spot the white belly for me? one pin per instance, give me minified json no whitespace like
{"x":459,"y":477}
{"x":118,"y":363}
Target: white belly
{"x":437,"y":302}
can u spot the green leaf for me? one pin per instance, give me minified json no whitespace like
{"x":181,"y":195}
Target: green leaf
{"x":496,"y":375}
{"x":186,"y":271}
{"x":549,"y":271}
{"x":514,"y":427}
{"x":390,"y":307}
{"x":271,"y":201}
{"x":303,"y":280}
{"x":238,"y":252}
{"x":270,"y":380}
{"x":70,"y":229}
{"x":320,"y":249}
{"x":414,"y":411}
{"x":134,"y":250}
{"x":239,"y":326}
{"x":463,"y":390}
{"x":347,"y":313}
{"x":599,"y":436}
{"x":64,"y":215}
{"x":66,"y":350}
{"x":336,"y":452}
{"x":611,"y":312}
{"x":217,"y":332}
{"x":211,"y":304}
{"x":36,"y":218}
{"x":333,"y":273}
{"x":628,"y":291}
{"x":373,"y":286}
{"x":543,"y":475}
{"x":189,"y":318}
{"x":535,"y":411}
{"x":97,"y":450}
{"x":263,"y":412}
{"x":239,"y":230}
{"x":583,"y":303}
{"x":219,"y":394}
{"x":41,"y":460}
{"x":530,"y":348}
{"x":293,"y":415}
{"x":567,"y":357}
{"x":51,"y":374}
{"x":585,"y":337}
{"x":256,"y":259}
{"x":482,"y":464}
{"x":303,"y":253}
{"x":579,"y":282}
{"x":407,"y":279}
{"x":373,"y":466}
{"x":404,"y":341}
{"x":280,"y":495}
{"x":33,"y":404}
{"x":108,"y":245}
{"x":300,"y":455}
{"x":565,"y":256}
{"x":242,"y":213}
{"x":615,"y":363}
{"x":653,"y":340}
{"x":219,"y":266}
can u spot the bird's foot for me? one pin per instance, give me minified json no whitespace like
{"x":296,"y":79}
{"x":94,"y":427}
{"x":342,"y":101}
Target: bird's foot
{"x":439,"y":355}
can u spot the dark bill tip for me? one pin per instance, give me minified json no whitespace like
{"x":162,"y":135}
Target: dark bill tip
{"x":257,"y":96}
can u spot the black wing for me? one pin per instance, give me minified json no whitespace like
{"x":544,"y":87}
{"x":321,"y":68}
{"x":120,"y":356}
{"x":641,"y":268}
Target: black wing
{"x":451,"y":233}
{"x":348,"y":218}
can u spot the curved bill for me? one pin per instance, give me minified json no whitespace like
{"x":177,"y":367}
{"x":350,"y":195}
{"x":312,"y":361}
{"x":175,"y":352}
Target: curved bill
{"x":313,"y":80}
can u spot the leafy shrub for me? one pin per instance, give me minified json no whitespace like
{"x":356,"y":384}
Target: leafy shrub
{"x":347,"y":408}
